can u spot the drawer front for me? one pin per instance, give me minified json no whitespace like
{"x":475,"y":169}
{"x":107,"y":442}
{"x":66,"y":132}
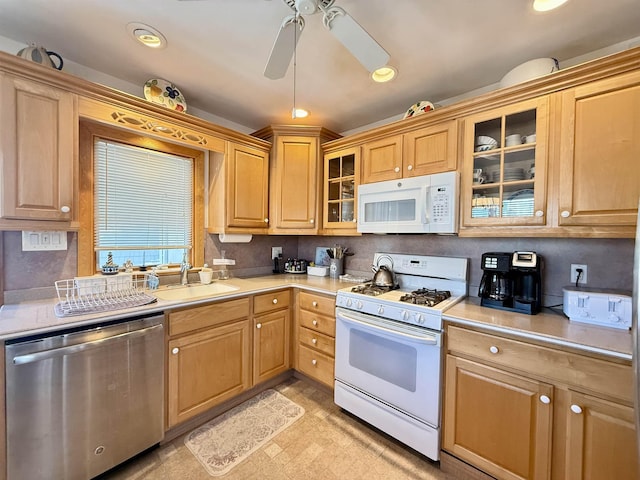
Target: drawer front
{"x":596,"y":375}
{"x":318,"y":323}
{"x":268,"y":302}
{"x":191,"y":319}
{"x":317,"y":303}
{"x":319,"y":341}
{"x":316,"y":365}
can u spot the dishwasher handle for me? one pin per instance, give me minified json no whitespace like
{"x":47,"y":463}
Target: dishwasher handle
{"x":81,"y":347}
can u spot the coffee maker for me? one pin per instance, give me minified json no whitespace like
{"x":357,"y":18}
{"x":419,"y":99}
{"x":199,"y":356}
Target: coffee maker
{"x":511,"y":281}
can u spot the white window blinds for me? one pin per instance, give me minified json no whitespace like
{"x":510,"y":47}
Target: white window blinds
{"x":143,"y":201}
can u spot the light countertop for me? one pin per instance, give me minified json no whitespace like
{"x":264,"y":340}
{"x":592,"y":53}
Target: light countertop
{"x":35,"y":317}
{"x":548,"y":327}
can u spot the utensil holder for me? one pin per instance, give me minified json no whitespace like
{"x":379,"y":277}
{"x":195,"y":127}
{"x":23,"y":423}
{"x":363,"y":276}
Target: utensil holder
{"x":336,"y":267}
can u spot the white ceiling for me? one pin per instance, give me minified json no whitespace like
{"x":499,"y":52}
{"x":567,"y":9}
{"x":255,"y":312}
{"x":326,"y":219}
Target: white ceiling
{"x":217,"y":49}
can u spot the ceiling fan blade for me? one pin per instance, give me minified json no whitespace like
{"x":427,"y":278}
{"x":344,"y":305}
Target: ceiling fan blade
{"x":355,"y":38}
{"x":283,"y":47}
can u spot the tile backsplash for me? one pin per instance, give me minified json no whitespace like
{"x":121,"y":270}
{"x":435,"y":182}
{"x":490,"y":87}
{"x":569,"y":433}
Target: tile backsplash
{"x":610,"y":261}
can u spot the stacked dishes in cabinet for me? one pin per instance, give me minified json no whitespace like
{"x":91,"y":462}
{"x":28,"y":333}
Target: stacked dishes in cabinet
{"x":503,"y":177}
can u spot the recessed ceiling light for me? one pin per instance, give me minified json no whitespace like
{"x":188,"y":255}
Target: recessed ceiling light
{"x":299,"y":113}
{"x":146,"y":35}
{"x":384,"y":74}
{"x":546,"y":5}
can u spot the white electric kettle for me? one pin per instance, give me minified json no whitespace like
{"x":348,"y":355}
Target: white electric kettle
{"x":41,"y":55}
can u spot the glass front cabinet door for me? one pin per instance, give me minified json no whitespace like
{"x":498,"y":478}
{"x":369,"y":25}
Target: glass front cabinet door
{"x":341,"y":174}
{"x":505,"y":163}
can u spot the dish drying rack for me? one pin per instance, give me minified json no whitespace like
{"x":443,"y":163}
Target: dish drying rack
{"x":85,"y":295}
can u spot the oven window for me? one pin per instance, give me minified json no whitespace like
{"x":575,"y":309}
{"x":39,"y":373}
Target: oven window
{"x":386,"y":359}
{"x":389,"y":211}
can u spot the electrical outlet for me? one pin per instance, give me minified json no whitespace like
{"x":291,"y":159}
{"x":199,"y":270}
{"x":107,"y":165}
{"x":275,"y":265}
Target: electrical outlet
{"x":574,"y":273}
{"x":275,"y":251}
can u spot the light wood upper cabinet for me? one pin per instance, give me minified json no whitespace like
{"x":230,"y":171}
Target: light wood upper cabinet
{"x":239,"y":190}
{"x":38,"y":153}
{"x":341,"y":179}
{"x":432,"y":149}
{"x":382,"y":159}
{"x":510,"y":186}
{"x":600,"y":151}
{"x":295,"y":188}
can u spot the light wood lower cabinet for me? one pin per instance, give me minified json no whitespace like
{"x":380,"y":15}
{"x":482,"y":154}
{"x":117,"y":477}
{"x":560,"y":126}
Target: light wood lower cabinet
{"x":271,"y":335}
{"x":209,"y":353}
{"x":316,"y":331}
{"x":521,"y":411}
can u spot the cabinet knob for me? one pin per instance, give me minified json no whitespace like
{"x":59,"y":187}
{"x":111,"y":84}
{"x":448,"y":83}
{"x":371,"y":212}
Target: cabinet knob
{"x":275,"y":300}
{"x":314,"y":340}
{"x":544,"y":399}
{"x":539,"y":213}
{"x":494,"y":349}
{"x":576,"y":408}
{"x":314,"y":303}
{"x":175,"y":350}
{"x":266,"y":220}
{"x":397,"y":169}
{"x":565,"y":214}
{"x":65,"y":209}
{"x":314,"y":362}
{"x":258,"y":325}
{"x":409,"y":167}
{"x":315,"y":323}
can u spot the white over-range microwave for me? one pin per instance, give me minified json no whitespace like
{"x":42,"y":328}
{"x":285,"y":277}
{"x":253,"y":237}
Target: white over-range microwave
{"x":425,"y":204}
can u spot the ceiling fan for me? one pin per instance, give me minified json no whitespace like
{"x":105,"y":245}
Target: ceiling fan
{"x":355,"y":38}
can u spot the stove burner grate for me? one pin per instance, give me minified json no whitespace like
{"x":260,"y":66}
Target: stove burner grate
{"x":426,"y":296}
{"x":371,"y":289}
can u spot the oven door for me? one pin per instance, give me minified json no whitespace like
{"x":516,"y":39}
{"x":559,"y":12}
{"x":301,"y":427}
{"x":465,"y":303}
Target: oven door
{"x":396,"y":363}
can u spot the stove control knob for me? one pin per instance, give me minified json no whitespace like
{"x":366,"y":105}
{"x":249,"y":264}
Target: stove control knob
{"x":405,"y":315}
{"x":349,"y":302}
{"x":380,"y":310}
{"x":359,"y":305}
{"x":420,"y":318}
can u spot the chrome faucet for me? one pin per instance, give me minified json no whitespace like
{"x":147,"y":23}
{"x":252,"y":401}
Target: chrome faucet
{"x":184,"y":270}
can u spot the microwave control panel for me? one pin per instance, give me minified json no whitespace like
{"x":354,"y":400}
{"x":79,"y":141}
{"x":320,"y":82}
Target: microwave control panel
{"x":441,"y":204}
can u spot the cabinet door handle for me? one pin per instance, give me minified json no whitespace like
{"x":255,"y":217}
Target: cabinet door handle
{"x":275,"y":300}
{"x":576,"y":408}
{"x":565,"y":214}
{"x":314,"y":340}
{"x":315,"y":323}
{"x":311,"y":220}
{"x":494,"y":349}
{"x":175,"y":350}
{"x":397,"y":169}
{"x":544,"y":399}
{"x":266,"y":220}
{"x":409,"y":167}
{"x":539,"y":213}
{"x":314,"y":362}
{"x":258,"y":325}
{"x":315,"y":304}
{"x":65,"y":209}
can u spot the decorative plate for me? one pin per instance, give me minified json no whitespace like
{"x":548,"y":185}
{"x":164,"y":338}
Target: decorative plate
{"x":164,"y":93}
{"x":419,"y":108}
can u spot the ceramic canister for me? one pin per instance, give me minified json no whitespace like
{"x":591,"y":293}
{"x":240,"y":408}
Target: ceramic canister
{"x":41,"y":55}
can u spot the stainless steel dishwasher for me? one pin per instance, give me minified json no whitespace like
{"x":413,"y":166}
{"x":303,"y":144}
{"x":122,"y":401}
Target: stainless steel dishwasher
{"x":81,"y":401}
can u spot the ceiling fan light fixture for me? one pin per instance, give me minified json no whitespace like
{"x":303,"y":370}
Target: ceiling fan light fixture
{"x":384,"y":74}
{"x":147,"y":35}
{"x":546,"y":5}
{"x":299,"y":113}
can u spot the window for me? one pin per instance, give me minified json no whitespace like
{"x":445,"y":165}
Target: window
{"x":143,"y":204}
{"x":141,"y":200}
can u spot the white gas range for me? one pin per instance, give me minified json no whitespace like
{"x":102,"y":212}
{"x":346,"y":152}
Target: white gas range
{"x":388,"y":347}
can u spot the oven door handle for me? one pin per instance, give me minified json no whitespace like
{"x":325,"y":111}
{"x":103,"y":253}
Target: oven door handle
{"x":426,"y":340}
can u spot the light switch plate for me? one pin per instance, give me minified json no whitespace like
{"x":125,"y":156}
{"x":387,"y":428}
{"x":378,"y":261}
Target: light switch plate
{"x":40,"y":241}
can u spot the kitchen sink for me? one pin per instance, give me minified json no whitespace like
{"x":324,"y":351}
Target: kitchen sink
{"x":186,"y":292}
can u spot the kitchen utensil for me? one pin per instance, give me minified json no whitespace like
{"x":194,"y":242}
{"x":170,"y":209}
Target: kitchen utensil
{"x":41,"y":55}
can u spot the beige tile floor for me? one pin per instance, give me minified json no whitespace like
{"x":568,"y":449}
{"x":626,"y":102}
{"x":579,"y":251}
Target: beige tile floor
{"x":325,"y":444}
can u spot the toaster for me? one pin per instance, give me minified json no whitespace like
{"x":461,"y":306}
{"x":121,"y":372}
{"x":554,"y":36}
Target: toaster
{"x":608,"y":308}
